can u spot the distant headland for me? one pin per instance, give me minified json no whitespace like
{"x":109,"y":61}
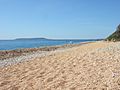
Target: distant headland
{"x":31,"y":39}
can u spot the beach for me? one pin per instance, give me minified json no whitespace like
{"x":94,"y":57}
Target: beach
{"x":91,"y":66}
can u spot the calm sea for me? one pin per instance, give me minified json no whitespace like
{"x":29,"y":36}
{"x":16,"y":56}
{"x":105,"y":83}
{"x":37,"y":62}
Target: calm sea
{"x":16,"y":44}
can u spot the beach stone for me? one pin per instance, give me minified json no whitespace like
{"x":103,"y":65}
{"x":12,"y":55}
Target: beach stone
{"x":118,"y":81}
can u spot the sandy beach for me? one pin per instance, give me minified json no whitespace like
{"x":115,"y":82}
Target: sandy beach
{"x":92,"y":66}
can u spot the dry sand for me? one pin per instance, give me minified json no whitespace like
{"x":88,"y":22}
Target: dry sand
{"x":94,"y":66}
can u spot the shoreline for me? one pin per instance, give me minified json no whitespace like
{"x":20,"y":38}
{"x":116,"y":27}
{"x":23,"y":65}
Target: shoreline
{"x":92,"y":66}
{"x":6,"y":54}
{"x":28,"y":57}
{"x":10,"y":57}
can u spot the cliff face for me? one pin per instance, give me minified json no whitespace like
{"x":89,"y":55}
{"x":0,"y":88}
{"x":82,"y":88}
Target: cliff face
{"x":115,"y":36}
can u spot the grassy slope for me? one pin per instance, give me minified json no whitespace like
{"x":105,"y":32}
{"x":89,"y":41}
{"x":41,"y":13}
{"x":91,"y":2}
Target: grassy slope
{"x":115,"y":36}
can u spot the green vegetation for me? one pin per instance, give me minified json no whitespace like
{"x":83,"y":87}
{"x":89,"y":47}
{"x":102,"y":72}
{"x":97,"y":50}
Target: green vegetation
{"x":115,"y":36}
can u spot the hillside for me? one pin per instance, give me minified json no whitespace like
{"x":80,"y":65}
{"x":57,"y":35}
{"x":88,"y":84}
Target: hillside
{"x":115,"y":36}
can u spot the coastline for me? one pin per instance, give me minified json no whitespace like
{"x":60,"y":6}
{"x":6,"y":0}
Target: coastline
{"x":6,"y":54}
{"x":10,"y":57}
{"x":92,"y":66}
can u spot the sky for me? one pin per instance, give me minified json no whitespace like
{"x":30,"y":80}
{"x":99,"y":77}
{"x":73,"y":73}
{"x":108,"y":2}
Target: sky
{"x":58,"y":19}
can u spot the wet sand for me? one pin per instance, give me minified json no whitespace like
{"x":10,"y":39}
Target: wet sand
{"x":93,"y":66}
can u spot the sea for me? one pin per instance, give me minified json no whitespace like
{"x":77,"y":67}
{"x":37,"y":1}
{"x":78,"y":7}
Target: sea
{"x":36,"y":43}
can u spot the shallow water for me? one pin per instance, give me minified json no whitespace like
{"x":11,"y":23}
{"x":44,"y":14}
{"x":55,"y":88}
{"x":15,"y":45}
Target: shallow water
{"x":16,"y":44}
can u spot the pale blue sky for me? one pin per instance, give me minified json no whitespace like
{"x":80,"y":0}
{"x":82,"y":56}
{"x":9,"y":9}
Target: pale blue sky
{"x":58,"y":18}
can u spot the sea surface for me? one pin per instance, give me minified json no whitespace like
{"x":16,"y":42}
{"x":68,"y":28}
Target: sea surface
{"x":18,"y":44}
